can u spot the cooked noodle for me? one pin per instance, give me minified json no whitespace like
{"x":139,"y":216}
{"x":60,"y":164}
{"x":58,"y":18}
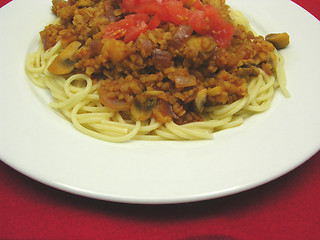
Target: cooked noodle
{"x":76,"y":97}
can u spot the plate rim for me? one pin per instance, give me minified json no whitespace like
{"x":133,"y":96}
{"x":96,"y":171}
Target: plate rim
{"x":136,"y":199}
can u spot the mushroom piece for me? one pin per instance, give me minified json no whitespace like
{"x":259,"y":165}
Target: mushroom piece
{"x":248,"y":70}
{"x":141,"y":108}
{"x":272,"y":58}
{"x":279,"y":40}
{"x":62,"y":63}
{"x":200,"y":100}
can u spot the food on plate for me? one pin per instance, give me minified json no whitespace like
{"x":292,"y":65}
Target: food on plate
{"x":155,"y":69}
{"x":279,"y":40}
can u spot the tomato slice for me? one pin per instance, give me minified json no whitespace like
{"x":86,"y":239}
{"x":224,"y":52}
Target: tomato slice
{"x":198,"y":23}
{"x":133,"y":32}
{"x":132,"y":19}
{"x":129,"y":5}
{"x":154,"y":22}
{"x":151,"y":8}
{"x":205,"y":20}
{"x":176,"y":12}
{"x":213,"y":15}
{"x":130,"y":27}
{"x":115,"y":30}
{"x":220,"y":29}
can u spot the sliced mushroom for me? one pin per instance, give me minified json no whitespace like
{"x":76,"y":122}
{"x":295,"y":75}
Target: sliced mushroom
{"x":62,"y":64}
{"x":141,"y":108}
{"x":279,"y":40}
{"x":248,"y":70}
{"x":212,"y":92}
{"x":272,"y":58}
{"x":200,"y":100}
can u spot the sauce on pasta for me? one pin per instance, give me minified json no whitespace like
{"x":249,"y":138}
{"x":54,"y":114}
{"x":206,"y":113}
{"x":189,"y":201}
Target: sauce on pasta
{"x":119,"y":71}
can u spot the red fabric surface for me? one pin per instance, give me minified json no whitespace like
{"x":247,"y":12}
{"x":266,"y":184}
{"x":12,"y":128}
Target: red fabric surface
{"x":286,"y":208}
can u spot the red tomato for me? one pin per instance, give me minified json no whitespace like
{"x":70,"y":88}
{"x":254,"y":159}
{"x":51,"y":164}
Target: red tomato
{"x":176,"y":12}
{"x":198,"y":23}
{"x":154,"y":22}
{"x":132,"y":19}
{"x":204,"y":20}
{"x":115,"y":30}
{"x":151,"y":8}
{"x":130,"y":27}
{"x":220,"y":30}
{"x":129,"y":5}
{"x":133,"y":32}
{"x":213,"y":15}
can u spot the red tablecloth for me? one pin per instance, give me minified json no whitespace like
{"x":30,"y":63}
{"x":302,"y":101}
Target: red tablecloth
{"x":287,"y":208}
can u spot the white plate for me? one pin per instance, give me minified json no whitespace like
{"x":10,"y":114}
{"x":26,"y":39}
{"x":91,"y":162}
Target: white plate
{"x":45,"y":147}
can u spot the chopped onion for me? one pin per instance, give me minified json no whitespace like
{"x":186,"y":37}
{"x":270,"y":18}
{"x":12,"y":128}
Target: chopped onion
{"x":181,"y":35}
{"x":182,"y":79}
{"x":113,"y":103}
{"x":161,"y":59}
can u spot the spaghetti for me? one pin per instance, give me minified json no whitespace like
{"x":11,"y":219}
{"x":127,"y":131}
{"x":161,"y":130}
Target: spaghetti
{"x":76,"y":97}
